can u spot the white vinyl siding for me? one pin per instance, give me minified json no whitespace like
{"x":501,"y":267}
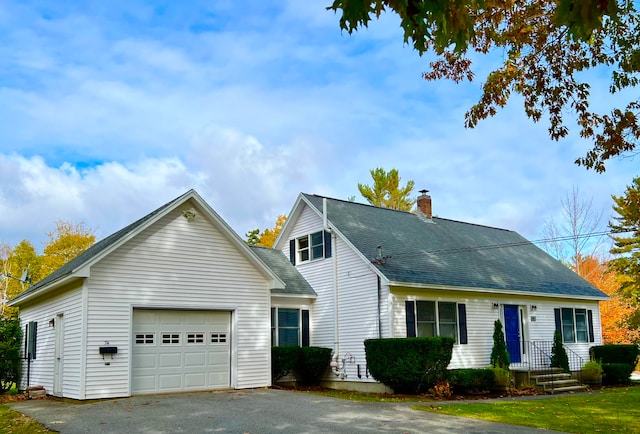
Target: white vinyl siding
{"x":357,"y":297}
{"x":539,"y":324}
{"x":67,"y":302}
{"x":176,"y":264}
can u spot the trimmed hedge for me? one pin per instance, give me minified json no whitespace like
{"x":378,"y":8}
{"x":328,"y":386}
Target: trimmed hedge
{"x":618,"y":362}
{"x":409,"y":365}
{"x":283,"y":361}
{"x":307,"y":364}
{"x":615,"y":353}
{"x":312,"y":364}
{"x":463,"y":381}
{"x":616,"y":373}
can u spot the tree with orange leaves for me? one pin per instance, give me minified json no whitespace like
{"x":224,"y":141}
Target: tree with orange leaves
{"x":614,"y":313}
{"x":266,"y":238}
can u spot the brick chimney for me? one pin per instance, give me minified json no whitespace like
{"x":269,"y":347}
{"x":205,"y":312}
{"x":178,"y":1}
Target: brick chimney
{"x":424,"y":203}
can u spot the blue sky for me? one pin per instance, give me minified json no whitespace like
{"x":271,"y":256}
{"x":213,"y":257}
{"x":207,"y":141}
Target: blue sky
{"x":110,"y":109}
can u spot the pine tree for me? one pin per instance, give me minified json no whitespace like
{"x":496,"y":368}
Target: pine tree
{"x":386,"y":190}
{"x":499,"y":353}
{"x":627,"y":244}
{"x":559,"y":358}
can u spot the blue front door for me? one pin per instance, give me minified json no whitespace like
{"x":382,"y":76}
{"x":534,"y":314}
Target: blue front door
{"x":512,"y":332}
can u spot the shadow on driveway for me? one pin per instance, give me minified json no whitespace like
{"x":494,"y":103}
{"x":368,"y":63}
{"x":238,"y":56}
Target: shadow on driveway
{"x":246,"y":411}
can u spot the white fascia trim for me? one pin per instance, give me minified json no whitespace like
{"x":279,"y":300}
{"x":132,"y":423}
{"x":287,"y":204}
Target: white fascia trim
{"x":284,"y":232}
{"x":68,"y":278}
{"x":495,"y":291}
{"x":304,"y":296}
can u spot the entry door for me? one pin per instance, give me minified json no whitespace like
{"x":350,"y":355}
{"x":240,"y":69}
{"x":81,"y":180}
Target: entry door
{"x":512,"y":332}
{"x":58,"y":361}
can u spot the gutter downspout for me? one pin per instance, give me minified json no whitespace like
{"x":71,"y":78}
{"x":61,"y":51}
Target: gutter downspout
{"x":334,"y":254}
{"x":379,"y":307}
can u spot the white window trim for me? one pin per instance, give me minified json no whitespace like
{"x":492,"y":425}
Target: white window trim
{"x":437,"y":317}
{"x":309,"y":248}
{"x":574,"y":325}
{"x":275,"y":328}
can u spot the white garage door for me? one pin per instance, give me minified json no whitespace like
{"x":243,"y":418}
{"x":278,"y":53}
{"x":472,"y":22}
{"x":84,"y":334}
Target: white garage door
{"x":180,"y":350}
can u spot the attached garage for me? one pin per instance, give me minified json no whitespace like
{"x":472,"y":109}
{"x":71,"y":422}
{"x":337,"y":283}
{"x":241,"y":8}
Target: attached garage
{"x":180,"y":300}
{"x":177,"y":350}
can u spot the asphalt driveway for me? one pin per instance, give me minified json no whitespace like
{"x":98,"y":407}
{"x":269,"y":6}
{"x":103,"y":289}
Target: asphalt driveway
{"x":246,"y":411}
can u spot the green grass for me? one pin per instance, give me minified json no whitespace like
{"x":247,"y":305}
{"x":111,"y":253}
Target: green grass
{"x":17,"y":423}
{"x":609,"y":410}
{"x":364,"y":397}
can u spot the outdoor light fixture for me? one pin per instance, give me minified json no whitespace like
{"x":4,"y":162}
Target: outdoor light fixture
{"x":52,"y":322}
{"x":496,"y":306}
{"x":534,"y":307}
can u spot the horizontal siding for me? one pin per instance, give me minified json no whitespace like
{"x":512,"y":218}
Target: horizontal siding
{"x":319,"y":274}
{"x":182,"y":265}
{"x":358,"y":313}
{"x":68,"y":302}
{"x":357,"y":298}
{"x":481,"y":317}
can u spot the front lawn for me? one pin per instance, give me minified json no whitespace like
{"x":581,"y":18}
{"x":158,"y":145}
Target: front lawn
{"x":608,"y":410}
{"x":17,"y":423}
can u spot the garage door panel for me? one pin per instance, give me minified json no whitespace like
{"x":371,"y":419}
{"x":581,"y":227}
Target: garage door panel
{"x":195,"y":360}
{"x":170,"y":382}
{"x":189,"y":351}
{"x":145,"y":361}
{"x":173,"y":360}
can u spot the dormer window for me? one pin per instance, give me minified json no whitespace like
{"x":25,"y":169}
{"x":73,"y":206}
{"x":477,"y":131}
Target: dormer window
{"x":310,"y":247}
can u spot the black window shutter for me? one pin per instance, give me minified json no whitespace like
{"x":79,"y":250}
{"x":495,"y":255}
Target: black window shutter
{"x":327,"y":244}
{"x":556,"y":312}
{"x":32,"y":339}
{"x":305,"y":328}
{"x":410,"y":307}
{"x":462,"y":319}
{"x":590,"y":321}
{"x":292,"y":251}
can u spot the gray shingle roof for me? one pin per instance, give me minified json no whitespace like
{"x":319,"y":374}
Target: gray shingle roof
{"x":295,"y":284}
{"x":451,"y":253}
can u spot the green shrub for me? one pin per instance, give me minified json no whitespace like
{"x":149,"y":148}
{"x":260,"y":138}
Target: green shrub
{"x":559,"y":358}
{"x":616,"y":373}
{"x":409,"y":365}
{"x":615,"y":353}
{"x":465,"y":381}
{"x":283,"y":361}
{"x":499,"y":353}
{"x":312,"y":364}
{"x":501,"y":378}
{"x":10,"y":343}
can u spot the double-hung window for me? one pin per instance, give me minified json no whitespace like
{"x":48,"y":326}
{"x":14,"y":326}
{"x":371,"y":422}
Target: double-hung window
{"x":436,"y":318}
{"x":310,"y":247}
{"x":289,"y":327}
{"x":575,"y":325}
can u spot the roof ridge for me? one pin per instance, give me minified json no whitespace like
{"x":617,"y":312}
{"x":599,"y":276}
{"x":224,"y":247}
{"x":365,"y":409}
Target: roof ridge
{"x":359,"y":203}
{"x":411,"y":212}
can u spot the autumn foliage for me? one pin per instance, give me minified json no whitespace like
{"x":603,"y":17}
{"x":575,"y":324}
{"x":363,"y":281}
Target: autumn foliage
{"x":614,"y":312}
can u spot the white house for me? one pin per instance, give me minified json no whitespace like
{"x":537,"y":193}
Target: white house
{"x":382,"y":273}
{"x":175,"y":301}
